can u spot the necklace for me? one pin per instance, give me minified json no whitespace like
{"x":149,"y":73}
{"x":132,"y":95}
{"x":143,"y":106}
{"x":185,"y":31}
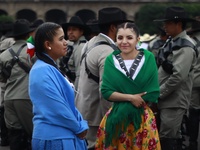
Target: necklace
{"x":134,"y":65}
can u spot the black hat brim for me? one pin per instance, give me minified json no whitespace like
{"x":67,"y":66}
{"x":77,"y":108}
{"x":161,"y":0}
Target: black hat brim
{"x":179,"y":19}
{"x":11,"y":34}
{"x":113,"y":22}
{"x":84,"y":27}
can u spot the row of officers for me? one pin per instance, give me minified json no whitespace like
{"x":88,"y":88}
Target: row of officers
{"x":39,"y":111}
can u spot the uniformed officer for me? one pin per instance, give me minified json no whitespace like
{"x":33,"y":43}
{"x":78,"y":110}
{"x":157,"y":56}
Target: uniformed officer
{"x":194,"y":109}
{"x":177,"y":59}
{"x":75,"y":30}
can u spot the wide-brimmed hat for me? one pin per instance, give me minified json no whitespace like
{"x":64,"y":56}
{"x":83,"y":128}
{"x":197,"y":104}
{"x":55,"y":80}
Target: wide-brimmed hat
{"x":146,"y":37}
{"x":175,"y":13}
{"x":6,"y":26}
{"x":195,"y":26}
{"x":111,"y":15}
{"x":93,"y":25}
{"x":20,"y":27}
{"x":36,"y":23}
{"x":77,"y":22}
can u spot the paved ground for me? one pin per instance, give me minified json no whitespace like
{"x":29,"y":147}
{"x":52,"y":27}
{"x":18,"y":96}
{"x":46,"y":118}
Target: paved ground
{"x":4,"y":148}
{"x":7,"y":148}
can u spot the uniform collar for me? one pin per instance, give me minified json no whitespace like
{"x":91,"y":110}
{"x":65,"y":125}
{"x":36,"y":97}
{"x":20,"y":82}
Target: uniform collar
{"x":107,"y":37}
{"x":180,"y":35}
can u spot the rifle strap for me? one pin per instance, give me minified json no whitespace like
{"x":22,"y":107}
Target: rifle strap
{"x":198,"y":42}
{"x":91,"y":75}
{"x":16,"y":59}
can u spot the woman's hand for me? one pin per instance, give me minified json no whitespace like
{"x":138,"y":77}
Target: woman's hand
{"x":82,"y":134}
{"x":137,"y":100}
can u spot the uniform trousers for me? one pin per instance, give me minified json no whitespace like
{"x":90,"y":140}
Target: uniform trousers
{"x":194,"y":116}
{"x":18,"y":115}
{"x":92,"y":136}
{"x":195,"y":100}
{"x":171,"y":120}
{"x":3,"y":128}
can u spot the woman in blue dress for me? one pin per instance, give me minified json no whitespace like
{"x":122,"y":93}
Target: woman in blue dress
{"x":58,"y":125}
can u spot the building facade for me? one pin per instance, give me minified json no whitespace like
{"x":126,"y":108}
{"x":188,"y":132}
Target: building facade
{"x":60,"y":11}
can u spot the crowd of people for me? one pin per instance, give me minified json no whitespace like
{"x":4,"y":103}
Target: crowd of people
{"x":94,"y":86}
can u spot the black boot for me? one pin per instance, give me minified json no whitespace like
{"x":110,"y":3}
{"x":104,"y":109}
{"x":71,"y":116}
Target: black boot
{"x":3,"y":129}
{"x":193,"y":128}
{"x":180,"y":145}
{"x":18,"y":140}
{"x":193,"y":146}
{"x":168,"y":144}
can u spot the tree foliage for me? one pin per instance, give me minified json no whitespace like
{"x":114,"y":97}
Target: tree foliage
{"x":6,"y":18}
{"x":145,"y":17}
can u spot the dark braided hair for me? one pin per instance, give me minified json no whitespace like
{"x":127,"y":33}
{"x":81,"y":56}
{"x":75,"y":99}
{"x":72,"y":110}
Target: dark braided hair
{"x":129,"y":25}
{"x":45,"y":32}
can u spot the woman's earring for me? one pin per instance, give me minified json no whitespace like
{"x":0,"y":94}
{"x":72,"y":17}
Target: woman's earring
{"x":49,"y":48}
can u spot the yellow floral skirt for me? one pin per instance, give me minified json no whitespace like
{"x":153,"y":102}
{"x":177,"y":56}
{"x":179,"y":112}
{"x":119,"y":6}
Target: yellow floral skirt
{"x":146,"y":138}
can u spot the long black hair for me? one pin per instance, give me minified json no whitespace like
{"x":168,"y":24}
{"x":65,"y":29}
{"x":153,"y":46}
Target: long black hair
{"x":45,"y":32}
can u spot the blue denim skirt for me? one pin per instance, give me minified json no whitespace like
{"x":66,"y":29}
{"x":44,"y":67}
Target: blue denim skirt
{"x":60,"y":144}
